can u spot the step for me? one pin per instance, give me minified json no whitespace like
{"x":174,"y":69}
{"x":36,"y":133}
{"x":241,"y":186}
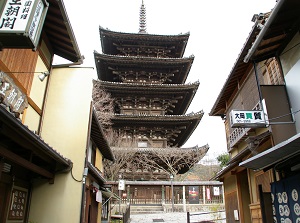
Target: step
{"x":146,"y":209}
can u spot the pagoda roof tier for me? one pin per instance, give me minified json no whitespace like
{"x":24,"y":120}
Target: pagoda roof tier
{"x":121,"y":68}
{"x":172,"y":45}
{"x":159,"y":163}
{"x":176,"y":128}
{"x":176,"y":97}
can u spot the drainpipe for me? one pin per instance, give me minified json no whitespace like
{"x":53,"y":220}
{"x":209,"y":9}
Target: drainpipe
{"x":263,"y":31}
{"x":41,"y":122}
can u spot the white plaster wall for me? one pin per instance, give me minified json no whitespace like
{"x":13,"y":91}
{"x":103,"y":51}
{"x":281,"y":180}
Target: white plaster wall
{"x":290,"y":62}
{"x":292,"y":79}
{"x":65,"y":128}
{"x":37,"y":92}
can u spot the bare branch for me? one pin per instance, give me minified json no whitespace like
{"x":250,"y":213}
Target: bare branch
{"x":154,"y":163}
{"x":103,"y":104}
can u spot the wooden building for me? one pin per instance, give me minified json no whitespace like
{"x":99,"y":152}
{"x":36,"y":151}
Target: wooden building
{"x":265,"y":77}
{"x":50,"y":161}
{"x":145,"y":75}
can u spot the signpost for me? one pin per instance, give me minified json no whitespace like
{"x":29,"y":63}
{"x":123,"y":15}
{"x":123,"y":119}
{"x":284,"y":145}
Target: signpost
{"x":121,"y":187}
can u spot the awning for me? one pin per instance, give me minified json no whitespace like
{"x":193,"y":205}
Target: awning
{"x":21,"y":146}
{"x":107,"y":193}
{"x":278,"y":153}
{"x":222,"y":172}
{"x":96,"y":173}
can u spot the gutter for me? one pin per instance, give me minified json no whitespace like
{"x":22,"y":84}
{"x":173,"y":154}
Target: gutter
{"x":79,"y":62}
{"x":263,"y":31}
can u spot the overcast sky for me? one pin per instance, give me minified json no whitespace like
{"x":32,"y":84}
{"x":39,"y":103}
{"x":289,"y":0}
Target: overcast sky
{"x":218,"y":29}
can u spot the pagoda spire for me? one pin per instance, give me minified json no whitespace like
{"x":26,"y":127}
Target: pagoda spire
{"x":143,"y":28}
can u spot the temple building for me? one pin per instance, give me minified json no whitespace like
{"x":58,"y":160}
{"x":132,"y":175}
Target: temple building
{"x":145,"y":75}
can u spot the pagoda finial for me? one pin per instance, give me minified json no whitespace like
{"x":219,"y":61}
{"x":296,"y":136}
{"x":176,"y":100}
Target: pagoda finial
{"x":142,"y":28}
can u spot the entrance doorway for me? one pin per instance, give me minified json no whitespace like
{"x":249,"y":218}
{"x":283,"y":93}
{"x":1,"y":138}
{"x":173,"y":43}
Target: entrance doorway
{"x":4,"y":191}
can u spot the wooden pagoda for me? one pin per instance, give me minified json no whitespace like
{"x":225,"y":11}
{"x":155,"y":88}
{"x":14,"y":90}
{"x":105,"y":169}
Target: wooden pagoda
{"x":145,"y":75}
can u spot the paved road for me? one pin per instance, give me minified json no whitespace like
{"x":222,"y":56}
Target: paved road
{"x":176,"y":217}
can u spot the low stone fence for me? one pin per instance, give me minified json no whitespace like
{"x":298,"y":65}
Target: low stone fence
{"x":193,"y":207}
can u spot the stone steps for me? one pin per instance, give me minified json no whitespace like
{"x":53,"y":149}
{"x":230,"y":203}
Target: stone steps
{"x":146,"y":209}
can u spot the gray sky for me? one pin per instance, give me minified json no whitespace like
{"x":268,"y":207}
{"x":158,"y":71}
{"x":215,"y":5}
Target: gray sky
{"x":218,"y":29}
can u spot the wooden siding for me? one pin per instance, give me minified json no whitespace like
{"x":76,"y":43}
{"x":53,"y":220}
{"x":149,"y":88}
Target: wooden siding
{"x":231,"y":204}
{"x":255,"y":213}
{"x":249,"y":93}
{"x":264,"y":179}
{"x":20,"y":60}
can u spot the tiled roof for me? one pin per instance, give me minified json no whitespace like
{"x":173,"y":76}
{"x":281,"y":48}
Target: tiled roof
{"x":98,"y":137}
{"x":180,"y":66}
{"x":8,"y":119}
{"x":188,"y":122}
{"x":96,"y":173}
{"x":176,"y":42}
{"x":60,"y":33}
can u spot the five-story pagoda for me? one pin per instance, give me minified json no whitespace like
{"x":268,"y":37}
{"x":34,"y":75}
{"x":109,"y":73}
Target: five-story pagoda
{"x":145,"y":75}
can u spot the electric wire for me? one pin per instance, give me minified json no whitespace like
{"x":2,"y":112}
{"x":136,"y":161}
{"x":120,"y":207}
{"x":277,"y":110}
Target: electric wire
{"x":281,"y":116}
{"x":74,"y":177}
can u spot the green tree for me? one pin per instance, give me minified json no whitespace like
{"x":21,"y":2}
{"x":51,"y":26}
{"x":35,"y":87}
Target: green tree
{"x":223,"y":159}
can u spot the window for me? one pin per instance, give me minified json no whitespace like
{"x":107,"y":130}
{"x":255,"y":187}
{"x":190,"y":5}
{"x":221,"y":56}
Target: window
{"x":142,"y":144}
{"x":273,"y":75}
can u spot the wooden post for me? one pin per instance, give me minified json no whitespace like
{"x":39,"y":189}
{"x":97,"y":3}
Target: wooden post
{"x":188,"y":217}
{"x":204,"y":200}
{"x":128,"y":194}
{"x":183,"y":198}
{"x":162,"y":194}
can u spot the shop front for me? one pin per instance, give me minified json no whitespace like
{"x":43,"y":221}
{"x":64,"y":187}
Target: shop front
{"x":283,"y":159}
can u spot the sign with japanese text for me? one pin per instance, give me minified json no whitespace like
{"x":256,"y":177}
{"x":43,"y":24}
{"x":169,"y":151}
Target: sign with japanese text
{"x":121,"y":185}
{"x":17,"y":205}
{"x":216,"y":191}
{"x":15,"y":15}
{"x":247,"y":119}
{"x":11,"y":95}
{"x":23,"y":18}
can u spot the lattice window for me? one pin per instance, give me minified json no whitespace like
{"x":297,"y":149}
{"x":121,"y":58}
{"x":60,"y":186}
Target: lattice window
{"x":156,"y":112}
{"x":143,"y":112}
{"x":273,"y":73}
{"x":158,"y":143}
{"x":142,"y":144}
{"x":128,"y":112}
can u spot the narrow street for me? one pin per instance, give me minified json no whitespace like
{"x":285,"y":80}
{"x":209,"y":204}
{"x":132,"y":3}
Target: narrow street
{"x":176,"y":217}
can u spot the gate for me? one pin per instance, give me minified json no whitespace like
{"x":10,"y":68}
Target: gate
{"x":145,"y":195}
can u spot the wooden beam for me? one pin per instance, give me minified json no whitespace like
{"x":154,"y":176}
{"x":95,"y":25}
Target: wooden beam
{"x":24,"y":142}
{"x":25,"y":163}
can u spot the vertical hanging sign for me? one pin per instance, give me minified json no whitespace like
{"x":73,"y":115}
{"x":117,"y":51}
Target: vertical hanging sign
{"x":21,"y":23}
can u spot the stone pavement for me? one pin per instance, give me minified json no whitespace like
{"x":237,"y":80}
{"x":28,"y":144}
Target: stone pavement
{"x":175,"y":217}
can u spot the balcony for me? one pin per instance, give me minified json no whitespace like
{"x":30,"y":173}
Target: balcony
{"x":238,"y":135}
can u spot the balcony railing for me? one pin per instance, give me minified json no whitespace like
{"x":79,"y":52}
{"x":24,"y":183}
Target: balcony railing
{"x":237,"y":135}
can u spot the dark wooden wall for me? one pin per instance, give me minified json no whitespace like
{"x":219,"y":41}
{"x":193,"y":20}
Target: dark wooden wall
{"x":14,"y":61}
